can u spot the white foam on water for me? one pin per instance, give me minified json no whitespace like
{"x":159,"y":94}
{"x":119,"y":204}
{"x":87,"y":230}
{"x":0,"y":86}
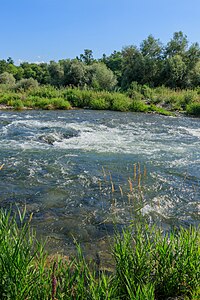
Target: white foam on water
{"x":162,"y":205}
{"x":101,"y":138}
{"x":127,"y":138}
{"x":191,"y":131}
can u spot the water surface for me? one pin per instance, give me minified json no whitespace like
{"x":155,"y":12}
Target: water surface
{"x":79,"y":170}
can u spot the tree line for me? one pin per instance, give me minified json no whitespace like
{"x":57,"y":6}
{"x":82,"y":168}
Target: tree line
{"x":174,"y":65}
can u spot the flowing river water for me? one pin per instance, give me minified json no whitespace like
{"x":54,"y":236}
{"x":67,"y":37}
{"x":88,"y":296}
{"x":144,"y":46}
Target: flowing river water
{"x":79,"y":171}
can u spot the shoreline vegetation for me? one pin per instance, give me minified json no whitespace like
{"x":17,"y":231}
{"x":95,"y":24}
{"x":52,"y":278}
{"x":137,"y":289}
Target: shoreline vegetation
{"x":159,"y":100}
{"x":151,"y":77}
{"x":148,"y":265}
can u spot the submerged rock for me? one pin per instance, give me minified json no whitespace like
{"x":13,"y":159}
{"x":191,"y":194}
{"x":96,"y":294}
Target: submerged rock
{"x":58,"y":137}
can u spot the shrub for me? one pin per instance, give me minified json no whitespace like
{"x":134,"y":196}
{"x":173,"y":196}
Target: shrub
{"x":138,"y":106}
{"x":60,"y":103}
{"x":99,"y":104}
{"x":147,"y":92}
{"x":46,"y":91}
{"x":7,"y":78}
{"x":26,"y":84}
{"x":193,"y":109}
{"x":6,"y":97}
{"x":18,"y":104}
{"x":74,"y":97}
{"x":120,"y":102}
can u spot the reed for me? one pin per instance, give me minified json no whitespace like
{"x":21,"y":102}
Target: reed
{"x":149,"y":264}
{"x":166,"y":263}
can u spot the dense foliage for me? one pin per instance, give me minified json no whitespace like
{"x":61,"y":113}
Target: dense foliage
{"x":175,"y":65}
{"x":138,"y":98}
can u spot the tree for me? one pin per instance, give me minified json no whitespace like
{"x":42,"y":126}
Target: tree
{"x":56,"y":73}
{"x":20,"y":73}
{"x":3,"y":66}
{"x":191,"y":59}
{"x":114,"y":63}
{"x":11,"y":69}
{"x":28,"y":71}
{"x":87,"y":57}
{"x":132,"y":66}
{"x":74,"y":72}
{"x":151,"y":48}
{"x":100,"y":77}
{"x":192,"y":55}
{"x":43,"y":76}
{"x":177,"y":45}
{"x":152,"y":52}
{"x":175,"y":71}
{"x":195,"y":75}
{"x":10,"y":61}
{"x":180,"y":61}
{"x":7,"y":78}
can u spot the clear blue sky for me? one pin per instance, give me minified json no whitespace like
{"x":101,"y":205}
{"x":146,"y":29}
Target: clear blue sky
{"x":43,"y":30}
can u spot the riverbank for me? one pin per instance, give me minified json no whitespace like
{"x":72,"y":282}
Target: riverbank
{"x":159,"y":100}
{"x":147,"y":265}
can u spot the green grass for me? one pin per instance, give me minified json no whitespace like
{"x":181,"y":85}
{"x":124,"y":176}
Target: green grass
{"x":168,"y":264}
{"x":149,"y":264}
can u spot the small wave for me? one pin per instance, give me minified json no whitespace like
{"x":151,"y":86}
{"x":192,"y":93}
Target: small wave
{"x":191,"y":131}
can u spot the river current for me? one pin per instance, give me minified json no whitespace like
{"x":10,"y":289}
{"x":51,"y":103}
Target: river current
{"x":79,"y":171}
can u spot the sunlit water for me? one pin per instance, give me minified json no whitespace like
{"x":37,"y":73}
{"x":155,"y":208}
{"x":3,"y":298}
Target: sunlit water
{"x":78,"y":171}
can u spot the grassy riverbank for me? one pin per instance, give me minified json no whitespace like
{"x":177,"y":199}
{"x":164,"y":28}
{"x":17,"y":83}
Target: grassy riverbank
{"x":138,"y":99}
{"x":148,"y":265}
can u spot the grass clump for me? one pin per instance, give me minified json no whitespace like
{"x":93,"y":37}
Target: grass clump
{"x":149,"y":264}
{"x":21,"y":259}
{"x":167,"y":264}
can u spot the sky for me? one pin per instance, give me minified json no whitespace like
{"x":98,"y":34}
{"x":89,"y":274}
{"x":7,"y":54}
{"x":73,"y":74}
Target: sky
{"x":44,"y":30}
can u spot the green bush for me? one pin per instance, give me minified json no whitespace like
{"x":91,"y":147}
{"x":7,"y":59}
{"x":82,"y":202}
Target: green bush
{"x":138,"y":106}
{"x":147,"y":92}
{"x":100,"y":104}
{"x":46,"y":91}
{"x":78,"y":98}
{"x":26,"y":84}
{"x":137,"y":99}
{"x":6,"y":97}
{"x":7,"y":78}
{"x":193,"y":109}
{"x":120,"y":102}
{"x":18,"y":104}
{"x":59,"y":103}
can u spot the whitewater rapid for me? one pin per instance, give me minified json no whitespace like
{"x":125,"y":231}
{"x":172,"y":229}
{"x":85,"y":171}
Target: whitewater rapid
{"x":67,"y":167}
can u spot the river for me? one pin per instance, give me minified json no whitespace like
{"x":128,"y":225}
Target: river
{"x":79,"y":171}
